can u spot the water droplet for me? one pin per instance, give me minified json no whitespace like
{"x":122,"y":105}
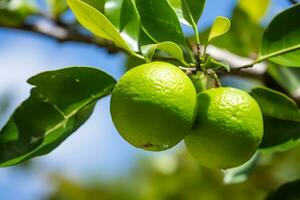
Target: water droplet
{"x":165,"y":146}
{"x":77,"y":80}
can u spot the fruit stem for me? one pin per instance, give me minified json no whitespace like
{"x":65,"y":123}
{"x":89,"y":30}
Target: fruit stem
{"x":199,"y":80}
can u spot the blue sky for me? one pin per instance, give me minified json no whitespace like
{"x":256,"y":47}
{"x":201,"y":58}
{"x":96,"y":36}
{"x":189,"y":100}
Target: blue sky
{"x":96,"y":149}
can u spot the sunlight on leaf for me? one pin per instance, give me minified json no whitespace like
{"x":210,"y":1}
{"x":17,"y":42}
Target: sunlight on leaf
{"x":52,"y":112}
{"x":124,"y":16}
{"x":160,"y":21}
{"x":256,"y":9}
{"x":188,"y":10}
{"x":211,"y":63}
{"x":220,"y":26}
{"x":169,"y":47}
{"x":281,"y":117}
{"x":97,"y":23}
{"x":281,"y":39}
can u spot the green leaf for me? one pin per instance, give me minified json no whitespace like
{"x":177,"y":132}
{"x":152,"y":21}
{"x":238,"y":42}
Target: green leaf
{"x":14,"y":12}
{"x":98,"y":4}
{"x":24,"y":7}
{"x":256,"y":9}
{"x":220,"y":26}
{"x":188,"y":11}
{"x":276,"y":104}
{"x":124,"y":16}
{"x":144,"y":39}
{"x":241,"y":173}
{"x":132,"y":62}
{"x":219,"y":65}
{"x":160,"y":21}
{"x":60,"y":103}
{"x":211,"y":63}
{"x":97,"y":23}
{"x":57,"y":7}
{"x":286,"y":77}
{"x":288,"y":191}
{"x":281,"y":119}
{"x":113,"y":11}
{"x":169,"y":47}
{"x":281,"y":40}
{"x":9,"y":18}
{"x":280,"y":135}
{"x":239,"y":40}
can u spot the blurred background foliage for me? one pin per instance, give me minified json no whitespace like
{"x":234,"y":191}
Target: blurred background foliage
{"x":180,"y":177}
{"x":4,"y":103}
{"x":174,"y":176}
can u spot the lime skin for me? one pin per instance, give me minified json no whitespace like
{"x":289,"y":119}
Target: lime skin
{"x":228,"y":128}
{"x":153,"y":106}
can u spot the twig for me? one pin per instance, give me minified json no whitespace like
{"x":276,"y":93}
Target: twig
{"x":64,"y":34}
{"x":243,"y":67}
{"x":188,"y":70}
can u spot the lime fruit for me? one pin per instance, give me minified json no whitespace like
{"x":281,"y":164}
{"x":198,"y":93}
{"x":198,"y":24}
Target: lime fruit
{"x":153,"y":106}
{"x":228,"y":128}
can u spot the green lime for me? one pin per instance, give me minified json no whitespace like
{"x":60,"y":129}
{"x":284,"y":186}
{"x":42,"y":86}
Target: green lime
{"x":228,"y":128}
{"x":153,"y":106}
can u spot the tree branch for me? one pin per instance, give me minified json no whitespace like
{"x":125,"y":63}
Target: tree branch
{"x":62,"y":33}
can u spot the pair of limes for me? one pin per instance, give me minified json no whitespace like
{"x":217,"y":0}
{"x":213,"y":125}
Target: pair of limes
{"x":154,"y":106}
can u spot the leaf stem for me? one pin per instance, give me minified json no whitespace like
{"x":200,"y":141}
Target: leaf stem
{"x":197,"y":38}
{"x":195,"y":27}
{"x":139,"y":56}
{"x":271,"y":55}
